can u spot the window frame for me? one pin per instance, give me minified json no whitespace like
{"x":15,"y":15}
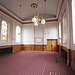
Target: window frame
{"x":4,"y":41}
{"x":20,"y":34}
{"x":64,"y":38}
{"x":59,"y":32}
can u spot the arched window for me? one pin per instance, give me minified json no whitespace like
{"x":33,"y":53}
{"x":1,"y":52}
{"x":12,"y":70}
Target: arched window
{"x":4,"y":31}
{"x":18,"y":34}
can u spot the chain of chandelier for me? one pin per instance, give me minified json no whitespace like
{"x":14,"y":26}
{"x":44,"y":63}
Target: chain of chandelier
{"x":36,"y":19}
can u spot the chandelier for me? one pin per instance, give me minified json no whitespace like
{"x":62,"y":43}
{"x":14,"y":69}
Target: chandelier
{"x":36,"y":19}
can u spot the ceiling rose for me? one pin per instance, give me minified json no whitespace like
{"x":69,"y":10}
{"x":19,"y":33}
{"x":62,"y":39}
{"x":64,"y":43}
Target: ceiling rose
{"x":34,"y":5}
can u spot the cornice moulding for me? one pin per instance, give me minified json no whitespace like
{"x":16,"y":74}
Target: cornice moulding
{"x":7,"y":12}
{"x":4,"y":10}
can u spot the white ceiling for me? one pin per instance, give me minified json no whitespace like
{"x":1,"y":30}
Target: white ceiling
{"x":27,"y":12}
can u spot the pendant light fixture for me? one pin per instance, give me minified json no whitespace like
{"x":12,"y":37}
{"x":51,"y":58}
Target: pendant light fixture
{"x":36,"y":20}
{"x":20,"y":11}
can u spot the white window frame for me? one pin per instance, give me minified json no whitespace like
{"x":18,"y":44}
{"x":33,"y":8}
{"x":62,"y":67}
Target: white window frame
{"x":18,"y":36}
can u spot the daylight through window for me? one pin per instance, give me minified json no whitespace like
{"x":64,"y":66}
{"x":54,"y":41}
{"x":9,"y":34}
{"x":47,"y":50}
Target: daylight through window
{"x":18,"y":34}
{"x":4,"y":31}
{"x":73,"y":19}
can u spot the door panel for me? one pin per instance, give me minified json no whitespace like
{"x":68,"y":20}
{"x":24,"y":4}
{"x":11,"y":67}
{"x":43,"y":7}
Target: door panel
{"x":51,"y":44}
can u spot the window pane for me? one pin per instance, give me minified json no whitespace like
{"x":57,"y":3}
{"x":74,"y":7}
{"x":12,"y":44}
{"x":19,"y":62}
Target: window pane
{"x":18,"y":34}
{"x":73,"y":19}
{"x":64,"y":28}
{"x":59,"y":29}
{"x":60,"y":41}
{"x":59,"y":32}
{"x":4,"y":31}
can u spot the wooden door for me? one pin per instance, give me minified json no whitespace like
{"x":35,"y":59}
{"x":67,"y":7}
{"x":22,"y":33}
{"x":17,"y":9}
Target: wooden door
{"x":52,"y":45}
{"x":49,"y":45}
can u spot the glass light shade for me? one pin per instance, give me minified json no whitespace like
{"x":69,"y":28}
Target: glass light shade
{"x":35,"y":24}
{"x":34,"y":19}
{"x":43,"y":21}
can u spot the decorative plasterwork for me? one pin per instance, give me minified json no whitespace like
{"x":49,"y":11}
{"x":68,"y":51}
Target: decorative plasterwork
{"x":7,"y":12}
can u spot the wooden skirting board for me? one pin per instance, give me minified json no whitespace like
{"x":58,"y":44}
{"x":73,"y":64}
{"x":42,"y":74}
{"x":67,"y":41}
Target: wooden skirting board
{"x":59,"y":47}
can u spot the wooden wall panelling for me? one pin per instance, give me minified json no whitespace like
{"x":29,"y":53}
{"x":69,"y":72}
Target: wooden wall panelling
{"x":45,"y":47}
{"x":28,"y":47}
{"x":34,"y":47}
{"x":39,"y":47}
{"x":60,"y":47}
{"x":73,"y":59}
{"x":68,"y":55}
{"x":5,"y":46}
{"x":16,"y":48}
{"x":5,"y":50}
{"x":22,"y":46}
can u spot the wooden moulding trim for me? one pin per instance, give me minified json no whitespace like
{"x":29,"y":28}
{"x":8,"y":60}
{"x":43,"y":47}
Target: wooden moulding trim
{"x":16,"y":45}
{"x":52,"y":39}
{"x":51,"y":20}
{"x":32,"y":44}
{"x":40,"y":45}
{"x":5,"y":46}
{"x":72,"y":50}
